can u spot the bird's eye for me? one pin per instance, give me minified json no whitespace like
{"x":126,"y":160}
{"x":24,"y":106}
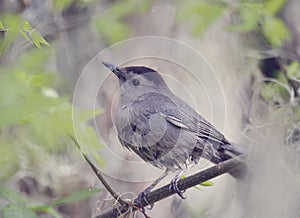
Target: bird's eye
{"x":135,"y":82}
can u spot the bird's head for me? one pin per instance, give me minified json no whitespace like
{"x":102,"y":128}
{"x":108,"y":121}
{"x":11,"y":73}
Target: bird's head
{"x":137,"y":80}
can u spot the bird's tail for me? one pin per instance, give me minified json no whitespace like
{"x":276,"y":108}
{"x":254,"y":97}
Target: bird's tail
{"x":228,"y":151}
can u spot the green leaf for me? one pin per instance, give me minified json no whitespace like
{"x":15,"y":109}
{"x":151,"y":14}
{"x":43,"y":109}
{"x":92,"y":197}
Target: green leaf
{"x":39,"y":207}
{"x":26,"y":25}
{"x":12,"y":22}
{"x":293,"y":70}
{"x":12,"y":196}
{"x":16,"y":212}
{"x":24,"y":34}
{"x":196,"y":187}
{"x":275,"y":31}
{"x":268,"y":91}
{"x":52,"y":212}
{"x":40,"y":80}
{"x":1,"y":25}
{"x":275,"y":92}
{"x":250,"y":15}
{"x":37,"y":39}
{"x":272,"y":7}
{"x":77,"y":196}
{"x":250,"y":19}
{"x":207,"y":183}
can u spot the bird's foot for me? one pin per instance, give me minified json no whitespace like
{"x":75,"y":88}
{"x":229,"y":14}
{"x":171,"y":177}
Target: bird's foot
{"x":142,"y":199}
{"x":174,"y":186}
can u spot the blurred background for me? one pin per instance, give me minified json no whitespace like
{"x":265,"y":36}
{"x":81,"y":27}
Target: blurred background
{"x":236,"y":62}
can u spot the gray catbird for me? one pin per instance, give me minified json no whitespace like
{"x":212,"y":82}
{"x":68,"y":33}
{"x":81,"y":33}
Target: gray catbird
{"x":161,"y":128}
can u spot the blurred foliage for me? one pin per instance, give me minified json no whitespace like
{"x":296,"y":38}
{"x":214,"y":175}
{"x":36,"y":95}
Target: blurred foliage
{"x":32,"y":35}
{"x":60,"y":5}
{"x":293,"y":71}
{"x":112,"y":25}
{"x":262,"y":16}
{"x":199,"y":13}
{"x":14,"y":26}
{"x":282,"y":92}
{"x":20,"y":207}
{"x":36,"y":121}
{"x":279,"y":90}
{"x":32,"y":112}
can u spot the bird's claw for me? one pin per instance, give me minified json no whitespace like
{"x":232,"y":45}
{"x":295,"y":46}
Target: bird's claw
{"x":174,"y":186}
{"x":142,"y":198}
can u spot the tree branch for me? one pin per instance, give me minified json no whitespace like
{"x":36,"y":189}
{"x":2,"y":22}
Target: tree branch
{"x":99,"y":175}
{"x":183,"y":184}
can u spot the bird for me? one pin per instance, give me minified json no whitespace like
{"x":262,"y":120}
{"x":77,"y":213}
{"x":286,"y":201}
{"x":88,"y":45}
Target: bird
{"x":163,"y":129}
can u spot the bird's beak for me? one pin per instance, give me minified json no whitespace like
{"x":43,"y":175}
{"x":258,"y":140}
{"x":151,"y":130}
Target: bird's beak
{"x":117,"y":71}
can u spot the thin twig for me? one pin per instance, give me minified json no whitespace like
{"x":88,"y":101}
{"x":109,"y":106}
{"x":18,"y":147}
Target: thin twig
{"x":98,"y":174}
{"x":183,"y":184}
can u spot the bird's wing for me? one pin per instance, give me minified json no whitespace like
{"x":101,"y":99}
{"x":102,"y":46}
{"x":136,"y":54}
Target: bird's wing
{"x":203,"y":130}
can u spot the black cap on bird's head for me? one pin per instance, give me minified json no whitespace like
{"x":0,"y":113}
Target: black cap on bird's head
{"x":128,"y":73}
